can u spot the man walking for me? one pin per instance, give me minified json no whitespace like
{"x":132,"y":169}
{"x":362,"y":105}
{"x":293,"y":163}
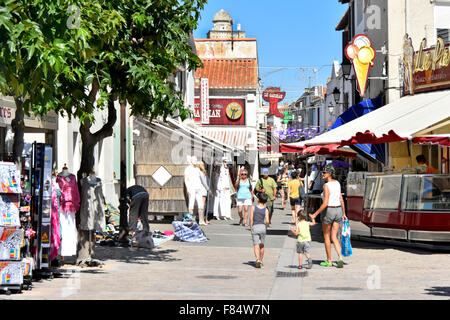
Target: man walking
{"x":268,"y":186}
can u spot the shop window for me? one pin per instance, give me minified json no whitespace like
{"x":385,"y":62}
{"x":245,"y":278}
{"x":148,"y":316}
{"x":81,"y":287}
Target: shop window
{"x":383,"y":192}
{"x":444,"y":34}
{"x":426,"y":193}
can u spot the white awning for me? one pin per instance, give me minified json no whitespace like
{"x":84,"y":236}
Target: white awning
{"x":396,"y":121}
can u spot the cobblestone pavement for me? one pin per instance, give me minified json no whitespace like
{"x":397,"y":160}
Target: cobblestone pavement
{"x":223,"y":269}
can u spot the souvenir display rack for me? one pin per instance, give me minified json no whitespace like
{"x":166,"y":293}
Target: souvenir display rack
{"x":41,"y":202}
{"x":11,"y":233}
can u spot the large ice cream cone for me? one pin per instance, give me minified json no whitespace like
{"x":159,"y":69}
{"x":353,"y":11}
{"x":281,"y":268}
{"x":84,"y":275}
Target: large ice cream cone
{"x":362,"y":72}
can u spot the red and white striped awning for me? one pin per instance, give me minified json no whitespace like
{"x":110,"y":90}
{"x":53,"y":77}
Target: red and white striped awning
{"x":236,"y":137}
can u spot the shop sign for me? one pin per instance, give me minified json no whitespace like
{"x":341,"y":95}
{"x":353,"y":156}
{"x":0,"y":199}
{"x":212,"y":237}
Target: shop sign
{"x":361,"y":53}
{"x":273,"y":95}
{"x":222,"y":112}
{"x":204,"y":101}
{"x":427,"y":69}
{"x":8,"y":112}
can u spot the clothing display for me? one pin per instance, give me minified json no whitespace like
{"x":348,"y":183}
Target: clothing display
{"x":69,"y":205}
{"x":92,"y":217}
{"x":70,"y":196}
{"x":55,"y":242}
{"x":92,"y":214}
{"x":222,"y":200}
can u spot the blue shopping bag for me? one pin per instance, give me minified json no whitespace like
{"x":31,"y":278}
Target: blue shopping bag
{"x":346,"y":247}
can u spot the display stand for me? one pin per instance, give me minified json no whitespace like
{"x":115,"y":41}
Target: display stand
{"x":11,"y":235}
{"x":41,"y":195}
{"x":25,"y":220}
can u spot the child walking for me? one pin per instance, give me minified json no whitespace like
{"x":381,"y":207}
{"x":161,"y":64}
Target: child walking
{"x":259,"y":222}
{"x":303,"y":239}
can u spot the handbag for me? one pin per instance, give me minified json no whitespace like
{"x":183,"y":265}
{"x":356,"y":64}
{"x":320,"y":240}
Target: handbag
{"x":256,"y":193}
{"x":346,"y":247}
{"x":301,"y":191}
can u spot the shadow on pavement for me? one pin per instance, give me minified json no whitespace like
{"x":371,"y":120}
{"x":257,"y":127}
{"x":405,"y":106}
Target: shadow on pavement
{"x":250,"y":263}
{"x":275,"y":232}
{"x":134,"y":255}
{"x":439,"y":291}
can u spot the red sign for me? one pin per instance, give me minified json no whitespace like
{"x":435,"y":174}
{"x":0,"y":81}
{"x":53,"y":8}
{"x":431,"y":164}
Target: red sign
{"x":5,"y":113}
{"x":273,"y":96}
{"x":229,"y":112}
{"x":426,"y":69}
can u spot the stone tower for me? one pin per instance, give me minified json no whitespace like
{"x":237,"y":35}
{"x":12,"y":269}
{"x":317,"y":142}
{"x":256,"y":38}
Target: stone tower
{"x":223,"y":27}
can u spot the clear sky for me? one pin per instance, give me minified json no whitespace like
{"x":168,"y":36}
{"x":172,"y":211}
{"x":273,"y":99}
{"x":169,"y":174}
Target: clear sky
{"x":290,"y":33}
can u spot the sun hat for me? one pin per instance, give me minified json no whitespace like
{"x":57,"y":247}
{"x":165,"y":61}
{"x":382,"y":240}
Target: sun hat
{"x":265,"y":170}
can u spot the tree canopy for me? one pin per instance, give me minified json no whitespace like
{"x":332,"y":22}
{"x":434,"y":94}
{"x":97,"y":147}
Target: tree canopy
{"x":75,"y":57}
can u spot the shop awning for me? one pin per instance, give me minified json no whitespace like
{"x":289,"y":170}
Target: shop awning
{"x":334,"y":150}
{"x":372,"y":151}
{"x":441,"y":139}
{"x":397,"y":121}
{"x":235,"y":137}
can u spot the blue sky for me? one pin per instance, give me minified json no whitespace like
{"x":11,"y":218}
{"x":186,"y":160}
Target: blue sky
{"x":290,"y":33}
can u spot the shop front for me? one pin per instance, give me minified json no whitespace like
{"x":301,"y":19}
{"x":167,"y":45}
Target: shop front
{"x":41,"y":129}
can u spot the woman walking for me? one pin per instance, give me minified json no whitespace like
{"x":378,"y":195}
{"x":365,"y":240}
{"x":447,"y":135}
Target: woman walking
{"x":283,"y":179}
{"x":205,"y":190}
{"x":294,"y":195}
{"x":332,"y":211}
{"x":244,"y":196}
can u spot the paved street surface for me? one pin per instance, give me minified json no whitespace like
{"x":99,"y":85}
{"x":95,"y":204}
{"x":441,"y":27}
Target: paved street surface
{"x":223,"y":269}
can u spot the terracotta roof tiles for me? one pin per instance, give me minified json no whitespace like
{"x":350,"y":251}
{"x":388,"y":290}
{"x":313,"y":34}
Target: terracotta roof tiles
{"x":229,"y":73}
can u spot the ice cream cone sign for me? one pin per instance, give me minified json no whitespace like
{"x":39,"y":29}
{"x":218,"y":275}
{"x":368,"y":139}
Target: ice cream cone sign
{"x":361,"y":53}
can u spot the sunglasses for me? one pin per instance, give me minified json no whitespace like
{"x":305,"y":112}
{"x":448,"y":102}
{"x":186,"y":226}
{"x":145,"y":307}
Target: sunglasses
{"x":243,"y":174}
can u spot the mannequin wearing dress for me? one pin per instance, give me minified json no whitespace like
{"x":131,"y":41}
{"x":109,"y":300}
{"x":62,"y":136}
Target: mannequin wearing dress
{"x":55,"y":229}
{"x":70,"y":203}
{"x":222,"y":200}
{"x":92,"y":217}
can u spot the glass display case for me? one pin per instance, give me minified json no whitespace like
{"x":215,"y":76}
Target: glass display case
{"x":426,"y":193}
{"x":382,"y":192}
{"x":420,"y":193}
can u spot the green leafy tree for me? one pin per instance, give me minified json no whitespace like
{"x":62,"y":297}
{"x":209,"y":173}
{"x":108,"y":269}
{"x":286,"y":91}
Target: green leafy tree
{"x":77,"y":57}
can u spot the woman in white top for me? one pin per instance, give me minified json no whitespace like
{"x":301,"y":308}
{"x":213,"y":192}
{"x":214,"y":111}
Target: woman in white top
{"x":332,"y":211}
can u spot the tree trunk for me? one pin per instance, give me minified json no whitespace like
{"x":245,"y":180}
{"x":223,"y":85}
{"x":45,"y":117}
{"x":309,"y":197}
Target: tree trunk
{"x":18,"y":128}
{"x":89,"y":140}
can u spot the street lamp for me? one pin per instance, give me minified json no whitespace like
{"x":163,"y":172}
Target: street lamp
{"x":330,"y":108}
{"x":336,"y":95}
{"x":346,"y":68}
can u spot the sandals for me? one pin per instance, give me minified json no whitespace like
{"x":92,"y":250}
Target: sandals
{"x":326,"y":264}
{"x":340,"y":263}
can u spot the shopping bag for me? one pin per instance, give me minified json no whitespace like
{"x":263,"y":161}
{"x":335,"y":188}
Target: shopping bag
{"x":346,"y":247}
{"x":144,"y":239}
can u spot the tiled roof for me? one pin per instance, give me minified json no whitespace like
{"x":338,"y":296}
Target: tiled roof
{"x":229,"y":73}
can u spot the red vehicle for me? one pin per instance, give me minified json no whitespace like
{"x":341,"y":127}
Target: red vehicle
{"x":408,"y":207}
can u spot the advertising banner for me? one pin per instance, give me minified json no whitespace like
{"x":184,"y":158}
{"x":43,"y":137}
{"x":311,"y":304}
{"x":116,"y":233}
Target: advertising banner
{"x":223,"y":112}
{"x":204,"y":101}
{"x":427,"y":69}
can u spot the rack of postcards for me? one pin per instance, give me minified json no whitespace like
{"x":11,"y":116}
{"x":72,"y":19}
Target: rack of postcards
{"x":11,"y":233}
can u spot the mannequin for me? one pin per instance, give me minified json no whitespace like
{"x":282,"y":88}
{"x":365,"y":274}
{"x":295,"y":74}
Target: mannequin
{"x":55,"y":243}
{"x":194,"y":185}
{"x":70,"y":203}
{"x":92,"y":217}
{"x":222,"y":201}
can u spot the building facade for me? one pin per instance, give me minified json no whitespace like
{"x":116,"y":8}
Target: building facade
{"x":231,"y":66}
{"x":387,"y":23}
